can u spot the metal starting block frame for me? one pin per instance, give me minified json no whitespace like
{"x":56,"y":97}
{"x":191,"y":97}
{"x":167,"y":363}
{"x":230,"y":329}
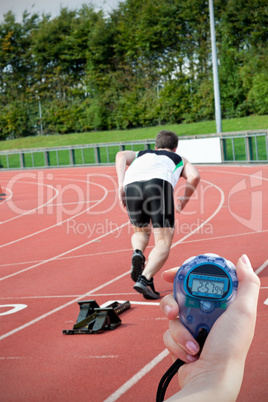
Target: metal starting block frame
{"x":94,"y":319}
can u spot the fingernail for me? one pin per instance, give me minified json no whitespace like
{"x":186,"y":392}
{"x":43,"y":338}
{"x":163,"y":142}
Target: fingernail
{"x":167,"y":309}
{"x":192,"y":348}
{"x":191,"y":358}
{"x":245,"y":259}
{"x":163,"y":274}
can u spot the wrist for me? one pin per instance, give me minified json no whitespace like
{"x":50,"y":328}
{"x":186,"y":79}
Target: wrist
{"x":222,"y":384}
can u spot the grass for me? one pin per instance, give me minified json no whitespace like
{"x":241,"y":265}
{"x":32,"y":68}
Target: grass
{"x":234,"y":149}
{"x":238,"y":151}
{"x":205,"y":127}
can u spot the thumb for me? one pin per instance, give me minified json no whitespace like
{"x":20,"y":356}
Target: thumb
{"x":245,"y":274}
{"x":170,"y":274}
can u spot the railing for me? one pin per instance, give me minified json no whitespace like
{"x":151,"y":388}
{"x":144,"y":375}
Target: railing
{"x":250,"y":146}
{"x":89,"y":154}
{"x":244,"y":146}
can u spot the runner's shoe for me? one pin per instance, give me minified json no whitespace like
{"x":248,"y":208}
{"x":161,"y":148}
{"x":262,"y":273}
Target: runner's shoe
{"x":137,"y":265}
{"x":146,"y":288}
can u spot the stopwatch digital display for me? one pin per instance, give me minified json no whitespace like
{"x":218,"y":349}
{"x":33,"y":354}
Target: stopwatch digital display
{"x":204,"y":287}
{"x":207,"y":286}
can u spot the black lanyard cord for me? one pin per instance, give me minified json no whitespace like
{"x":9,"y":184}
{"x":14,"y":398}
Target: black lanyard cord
{"x":173,"y":369}
{"x":165,"y":380}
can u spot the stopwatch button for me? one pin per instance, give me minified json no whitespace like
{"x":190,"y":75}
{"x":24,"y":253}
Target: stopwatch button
{"x":206,"y":306}
{"x":189,"y":318}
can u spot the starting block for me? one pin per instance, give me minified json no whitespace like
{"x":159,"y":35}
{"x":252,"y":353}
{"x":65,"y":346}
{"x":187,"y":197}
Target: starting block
{"x":94,"y":319}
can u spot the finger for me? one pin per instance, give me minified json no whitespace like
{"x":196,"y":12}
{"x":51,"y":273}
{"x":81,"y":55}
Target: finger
{"x":183,"y":337}
{"x":248,"y":292}
{"x":123,"y":200}
{"x":245,"y":272}
{"x":185,"y":351}
{"x":169,"y":275}
{"x":248,"y":287}
{"x":169,"y":307}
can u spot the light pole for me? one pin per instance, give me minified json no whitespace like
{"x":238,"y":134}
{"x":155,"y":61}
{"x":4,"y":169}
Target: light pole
{"x":215,"y":69}
{"x":40,"y":116}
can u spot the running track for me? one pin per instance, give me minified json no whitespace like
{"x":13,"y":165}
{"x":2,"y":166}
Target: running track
{"x":64,"y":238}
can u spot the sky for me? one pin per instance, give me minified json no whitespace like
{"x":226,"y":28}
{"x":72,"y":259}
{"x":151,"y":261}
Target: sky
{"x":51,"y":6}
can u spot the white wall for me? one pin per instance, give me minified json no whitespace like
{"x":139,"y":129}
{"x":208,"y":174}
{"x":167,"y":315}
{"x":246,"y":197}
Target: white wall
{"x":202,"y":150}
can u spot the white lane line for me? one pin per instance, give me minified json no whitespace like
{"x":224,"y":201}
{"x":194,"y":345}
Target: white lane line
{"x":130,"y":249}
{"x":34,"y":209}
{"x":71,"y":257}
{"x":261,"y":268}
{"x":137,"y":377}
{"x":61,"y":222}
{"x":60,"y":204}
{"x":241,"y":174}
{"x":6,"y":198}
{"x":207,"y":220}
{"x":60,"y":255}
{"x":14,"y":308}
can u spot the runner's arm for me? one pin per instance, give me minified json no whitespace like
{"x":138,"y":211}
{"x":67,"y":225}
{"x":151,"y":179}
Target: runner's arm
{"x":192,"y":176}
{"x":123,"y":159}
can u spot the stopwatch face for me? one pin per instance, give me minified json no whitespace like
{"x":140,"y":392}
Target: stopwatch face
{"x":208,"y":281}
{"x":204,"y":287}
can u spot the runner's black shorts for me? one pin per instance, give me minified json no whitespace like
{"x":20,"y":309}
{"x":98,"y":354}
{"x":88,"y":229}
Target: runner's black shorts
{"x":150,"y":202}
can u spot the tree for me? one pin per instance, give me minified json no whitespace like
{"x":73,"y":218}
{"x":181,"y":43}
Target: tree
{"x":148,"y":61}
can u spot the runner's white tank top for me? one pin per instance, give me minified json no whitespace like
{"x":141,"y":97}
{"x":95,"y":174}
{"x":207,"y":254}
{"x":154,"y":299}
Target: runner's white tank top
{"x":155,"y":164}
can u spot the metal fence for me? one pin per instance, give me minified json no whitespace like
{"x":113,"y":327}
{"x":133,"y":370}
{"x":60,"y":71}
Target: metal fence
{"x":236,"y":147}
{"x":250,"y":146}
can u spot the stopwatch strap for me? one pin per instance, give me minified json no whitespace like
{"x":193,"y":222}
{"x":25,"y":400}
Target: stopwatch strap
{"x":201,"y":338}
{"x":165,"y":380}
{"x":169,"y":374}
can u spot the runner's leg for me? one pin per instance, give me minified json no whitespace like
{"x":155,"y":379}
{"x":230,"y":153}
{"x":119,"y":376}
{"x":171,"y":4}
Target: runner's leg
{"x":140,"y":237}
{"x":159,"y":254}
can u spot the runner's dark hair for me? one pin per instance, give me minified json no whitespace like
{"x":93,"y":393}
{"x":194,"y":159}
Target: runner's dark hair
{"x":166,"y":139}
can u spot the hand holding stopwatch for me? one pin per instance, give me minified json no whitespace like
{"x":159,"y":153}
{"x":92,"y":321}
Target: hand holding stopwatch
{"x":204,"y":286}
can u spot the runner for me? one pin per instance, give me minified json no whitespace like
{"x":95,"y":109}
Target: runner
{"x":146,"y":190}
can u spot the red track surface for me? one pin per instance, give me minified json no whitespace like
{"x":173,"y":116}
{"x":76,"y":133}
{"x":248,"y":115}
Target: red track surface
{"x":64,"y":238}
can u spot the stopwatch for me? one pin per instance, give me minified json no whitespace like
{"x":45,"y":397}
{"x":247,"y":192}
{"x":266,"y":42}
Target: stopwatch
{"x":204,"y":286}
